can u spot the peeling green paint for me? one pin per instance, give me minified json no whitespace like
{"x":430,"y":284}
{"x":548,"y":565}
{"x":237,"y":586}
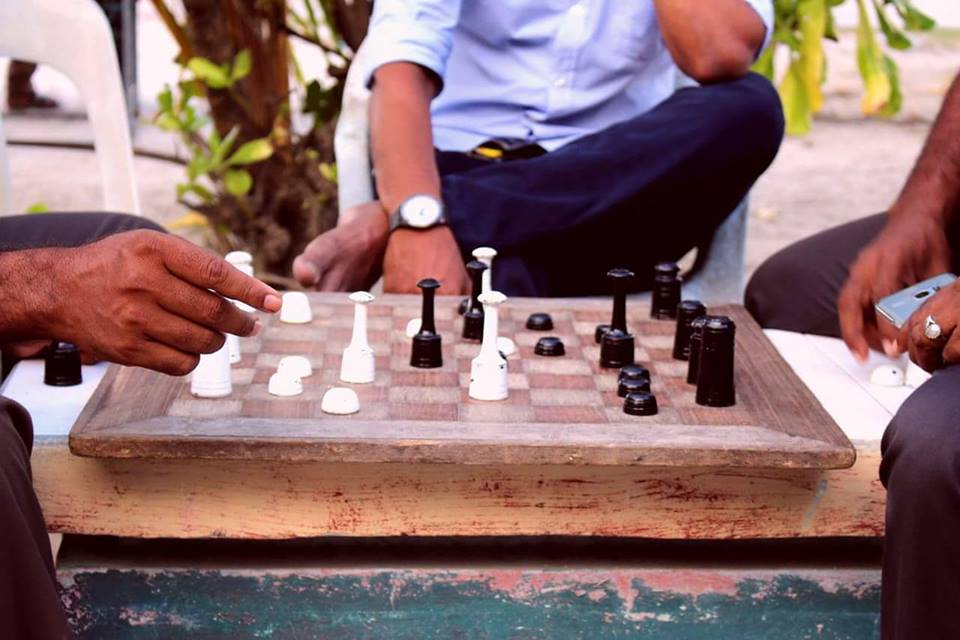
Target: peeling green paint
{"x":505,"y":604}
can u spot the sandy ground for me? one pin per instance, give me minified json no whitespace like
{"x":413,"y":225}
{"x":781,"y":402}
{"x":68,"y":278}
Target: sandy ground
{"x":846,"y":168}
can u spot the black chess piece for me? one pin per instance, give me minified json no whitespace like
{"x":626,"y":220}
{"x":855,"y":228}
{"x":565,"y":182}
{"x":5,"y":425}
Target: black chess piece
{"x":599,"y":332}
{"x":61,"y":367}
{"x":633,"y":372}
{"x":473,"y":316}
{"x":427,"y":352}
{"x":632,"y":385}
{"x":642,"y":403}
{"x":665,"y":295}
{"x":540,"y":322}
{"x":715,"y":386}
{"x":463,"y":306}
{"x":550,"y":346}
{"x":617,"y":346}
{"x":687,"y":312}
{"x":696,"y":337}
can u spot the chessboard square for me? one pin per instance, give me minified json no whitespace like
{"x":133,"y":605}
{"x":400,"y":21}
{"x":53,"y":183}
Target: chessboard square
{"x":591,"y":353}
{"x":192,"y":407}
{"x":311,"y":391}
{"x":606,"y":381}
{"x":655,"y":341}
{"x":242,"y":376}
{"x":466,"y":350}
{"x":299,"y":332}
{"x":425,"y":378}
{"x":670,"y":368}
{"x":307,"y":348}
{"x":571,"y":414}
{"x":553,"y":381}
{"x":420,"y":411}
{"x":495,"y":411}
{"x":566,"y":397}
{"x":275,"y":407}
{"x":562,"y":366}
{"x":426,"y":394}
{"x":267,"y":360}
{"x":368,"y":393}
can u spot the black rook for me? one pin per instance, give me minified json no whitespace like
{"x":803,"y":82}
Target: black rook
{"x":616,"y":345}
{"x":687,"y":312}
{"x":427,"y":352}
{"x":715,"y":386}
{"x":61,"y":367}
{"x":696,"y":336}
{"x":665,"y":295}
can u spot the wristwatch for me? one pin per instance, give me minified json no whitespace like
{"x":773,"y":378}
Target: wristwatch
{"x":419,"y":211}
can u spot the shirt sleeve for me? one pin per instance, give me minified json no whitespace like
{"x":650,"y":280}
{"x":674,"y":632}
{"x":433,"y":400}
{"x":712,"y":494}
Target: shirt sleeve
{"x":764,"y":9}
{"x":417,"y":31}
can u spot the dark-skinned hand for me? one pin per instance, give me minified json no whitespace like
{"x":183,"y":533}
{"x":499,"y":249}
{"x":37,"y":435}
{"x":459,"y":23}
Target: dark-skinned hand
{"x":929,"y":354}
{"x":414,"y":255}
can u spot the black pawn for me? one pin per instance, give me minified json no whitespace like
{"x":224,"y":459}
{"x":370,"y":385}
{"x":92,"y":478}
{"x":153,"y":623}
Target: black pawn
{"x":715,"y":386}
{"x":640,"y":404}
{"x":633,"y":372}
{"x":463,"y":306}
{"x":62,"y":365}
{"x":599,"y":332}
{"x":616,"y":346}
{"x":631,"y":385}
{"x":696,"y":338}
{"x":540,"y":322}
{"x":427,"y":352}
{"x":665,"y":295}
{"x":473,"y":316}
{"x":550,"y":346}
{"x":687,"y":312}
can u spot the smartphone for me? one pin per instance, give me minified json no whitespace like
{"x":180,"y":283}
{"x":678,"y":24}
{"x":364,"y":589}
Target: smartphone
{"x":898,"y":307}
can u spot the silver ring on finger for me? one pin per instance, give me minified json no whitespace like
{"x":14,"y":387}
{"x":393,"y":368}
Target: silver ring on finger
{"x":931,"y":329}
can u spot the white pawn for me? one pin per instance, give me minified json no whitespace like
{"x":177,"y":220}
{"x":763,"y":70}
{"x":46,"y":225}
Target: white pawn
{"x":488,"y":371}
{"x":284,"y":385}
{"x":243,"y":262}
{"x":211,"y":378}
{"x":340,"y":401}
{"x":358,"y":364}
{"x":295,"y":367}
{"x":295,"y":308}
{"x":486,"y":256}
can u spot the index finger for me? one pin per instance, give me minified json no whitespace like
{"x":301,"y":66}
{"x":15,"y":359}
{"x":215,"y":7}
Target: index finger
{"x":850,"y":312}
{"x":207,"y":270}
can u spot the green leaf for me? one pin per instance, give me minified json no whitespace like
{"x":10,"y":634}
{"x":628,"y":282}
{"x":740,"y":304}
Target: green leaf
{"x":329,"y":172}
{"x":197,"y":189}
{"x":167,"y":121}
{"x":241,"y":66}
{"x":913,"y":19}
{"x":38,"y":207}
{"x":215,"y":76}
{"x":764,"y":64}
{"x":198,"y":166}
{"x":896,"y":96}
{"x":877,"y":90}
{"x":796,"y":104}
{"x":165,"y":99}
{"x":219,"y":153}
{"x":813,"y":22}
{"x":895,"y":38}
{"x":238,"y":181}
{"x":250,"y":152}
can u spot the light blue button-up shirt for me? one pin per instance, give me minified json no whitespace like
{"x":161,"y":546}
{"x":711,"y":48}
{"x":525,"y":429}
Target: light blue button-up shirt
{"x":547,"y":71}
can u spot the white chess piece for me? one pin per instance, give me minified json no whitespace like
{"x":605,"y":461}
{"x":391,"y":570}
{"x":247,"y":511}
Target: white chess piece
{"x":506,"y":346}
{"x":284,"y":385}
{"x":295,"y":366}
{"x":358,"y":364}
{"x":340,"y":401}
{"x":211,"y":378}
{"x":486,"y":256}
{"x":413,"y":327}
{"x":488,"y":371}
{"x":233,"y":345}
{"x":243,"y":262}
{"x":295,"y":308}
{"x":887,"y":375}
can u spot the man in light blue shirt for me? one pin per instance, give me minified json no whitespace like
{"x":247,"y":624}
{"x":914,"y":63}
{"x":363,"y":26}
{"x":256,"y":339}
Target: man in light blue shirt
{"x":551,"y":130}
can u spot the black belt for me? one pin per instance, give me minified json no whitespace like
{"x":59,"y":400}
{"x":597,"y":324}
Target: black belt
{"x":504,"y":150}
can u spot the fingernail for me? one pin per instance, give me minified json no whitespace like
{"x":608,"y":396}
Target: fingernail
{"x":272,"y":302}
{"x":889,"y":347}
{"x":257,"y":328}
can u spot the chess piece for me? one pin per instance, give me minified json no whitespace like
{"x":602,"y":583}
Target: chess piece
{"x":715,"y":386}
{"x":486,"y":256}
{"x":233,"y":347}
{"x":295,"y":366}
{"x":665,"y":295}
{"x":696,"y":339}
{"x":617,"y":346}
{"x":642,"y":403}
{"x":540,"y":322}
{"x":340,"y":401}
{"x":211,"y":378}
{"x":427,"y":352}
{"x":888,"y":375}
{"x":413,"y":327}
{"x":632,"y":385}
{"x":358,"y":364}
{"x":550,"y":346}
{"x":686,"y":313}
{"x":473,"y":317}
{"x":488,"y":371}
{"x":463,"y":306}
{"x":243,"y":262}
{"x":506,"y":346}
{"x":295,"y":308}
{"x":599,"y":332}
{"x":284,"y":385}
{"x":61,"y":365}
{"x":633,"y":372}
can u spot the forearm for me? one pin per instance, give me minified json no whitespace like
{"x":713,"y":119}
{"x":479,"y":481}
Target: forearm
{"x":711,"y":41}
{"x":933,"y":188}
{"x":28,"y":295}
{"x":401,"y":135}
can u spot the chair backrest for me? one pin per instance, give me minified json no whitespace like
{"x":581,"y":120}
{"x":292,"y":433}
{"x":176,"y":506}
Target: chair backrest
{"x":74,"y":37}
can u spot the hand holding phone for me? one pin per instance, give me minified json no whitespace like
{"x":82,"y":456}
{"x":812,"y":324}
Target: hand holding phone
{"x":898,"y":307}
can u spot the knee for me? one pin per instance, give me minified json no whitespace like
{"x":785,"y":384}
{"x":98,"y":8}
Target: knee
{"x":921,"y":447}
{"x":754,"y":108}
{"x":16,"y":439}
{"x":119,"y":222}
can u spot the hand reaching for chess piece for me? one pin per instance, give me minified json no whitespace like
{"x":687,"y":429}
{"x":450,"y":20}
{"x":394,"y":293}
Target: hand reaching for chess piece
{"x":139,"y":298}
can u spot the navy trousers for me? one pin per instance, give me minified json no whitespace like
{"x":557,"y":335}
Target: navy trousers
{"x":797,"y":290}
{"x":639,"y":192}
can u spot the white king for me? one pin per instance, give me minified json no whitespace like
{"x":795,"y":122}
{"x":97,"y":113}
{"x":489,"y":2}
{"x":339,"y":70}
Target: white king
{"x":358,"y":364}
{"x":488,"y":371}
{"x":486,"y":256}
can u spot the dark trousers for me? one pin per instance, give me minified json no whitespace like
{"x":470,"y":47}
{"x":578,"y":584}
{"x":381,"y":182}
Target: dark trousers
{"x":29,"y":604}
{"x":797,"y":290}
{"x":639,"y":192}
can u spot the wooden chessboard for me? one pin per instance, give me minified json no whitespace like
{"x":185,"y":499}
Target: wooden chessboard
{"x":560,"y":411}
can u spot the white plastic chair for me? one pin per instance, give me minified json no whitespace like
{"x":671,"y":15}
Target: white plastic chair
{"x":74,"y":37}
{"x":719,"y":276}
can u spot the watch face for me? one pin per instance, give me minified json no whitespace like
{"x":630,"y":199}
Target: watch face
{"x":420,"y":211}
